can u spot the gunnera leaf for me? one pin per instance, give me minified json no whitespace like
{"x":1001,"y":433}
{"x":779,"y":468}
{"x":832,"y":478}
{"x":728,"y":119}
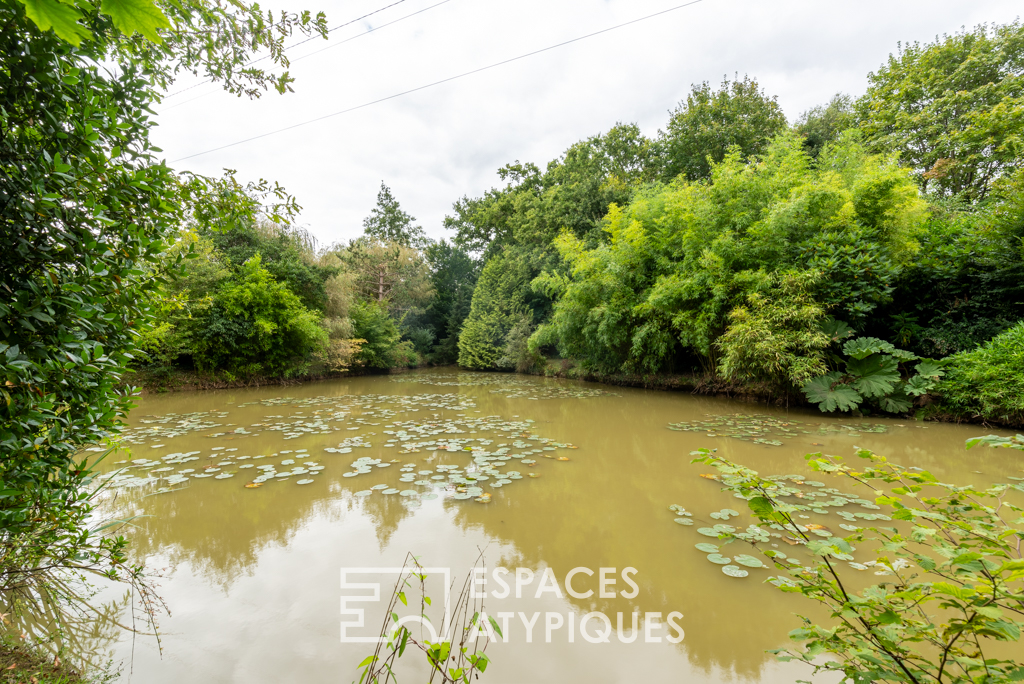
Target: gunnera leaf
{"x":863,"y":347}
{"x":830,"y":394}
{"x":874,"y":376}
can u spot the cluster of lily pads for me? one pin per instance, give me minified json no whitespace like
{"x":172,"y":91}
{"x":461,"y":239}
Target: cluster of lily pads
{"x":804,"y":496}
{"x":142,"y":472}
{"x":454,"y":481}
{"x":764,"y":429}
{"x":156,"y":428}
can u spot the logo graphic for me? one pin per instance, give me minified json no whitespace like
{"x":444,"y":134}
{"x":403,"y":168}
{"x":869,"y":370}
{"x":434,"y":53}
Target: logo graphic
{"x":386,"y":577}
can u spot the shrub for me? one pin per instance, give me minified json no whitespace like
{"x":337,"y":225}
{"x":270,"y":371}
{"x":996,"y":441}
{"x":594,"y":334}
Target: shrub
{"x":988,"y":382}
{"x":258,"y":325}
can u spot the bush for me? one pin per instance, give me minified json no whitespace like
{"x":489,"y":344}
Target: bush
{"x":258,"y":325}
{"x":988,"y":382}
{"x":378,"y":334}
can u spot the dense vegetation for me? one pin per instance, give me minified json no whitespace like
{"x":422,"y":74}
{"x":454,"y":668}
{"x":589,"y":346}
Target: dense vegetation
{"x":732,"y":247}
{"x":869,"y":257}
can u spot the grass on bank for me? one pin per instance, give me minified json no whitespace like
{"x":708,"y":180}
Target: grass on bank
{"x":20,"y":664}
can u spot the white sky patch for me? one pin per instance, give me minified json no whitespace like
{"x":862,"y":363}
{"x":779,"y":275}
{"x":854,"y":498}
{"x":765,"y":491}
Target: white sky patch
{"x":434,"y":146}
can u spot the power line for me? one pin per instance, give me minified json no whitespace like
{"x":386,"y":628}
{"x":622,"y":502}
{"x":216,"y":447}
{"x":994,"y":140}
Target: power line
{"x":444,"y":80}
{"x":315,"y":52}
{"x":293,"y":45}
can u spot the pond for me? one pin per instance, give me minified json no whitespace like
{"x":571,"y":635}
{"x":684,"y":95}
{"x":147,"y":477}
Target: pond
{"x":264,"y":506}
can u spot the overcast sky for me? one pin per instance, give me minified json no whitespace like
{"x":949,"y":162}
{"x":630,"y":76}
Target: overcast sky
{"x":434,"y":146}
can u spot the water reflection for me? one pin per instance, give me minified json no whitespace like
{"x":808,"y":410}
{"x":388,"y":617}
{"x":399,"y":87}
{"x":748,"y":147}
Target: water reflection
{"x":254,"y":586}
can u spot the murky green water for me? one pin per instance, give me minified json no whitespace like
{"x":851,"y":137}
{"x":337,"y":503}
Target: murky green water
{"x":253,"y":574}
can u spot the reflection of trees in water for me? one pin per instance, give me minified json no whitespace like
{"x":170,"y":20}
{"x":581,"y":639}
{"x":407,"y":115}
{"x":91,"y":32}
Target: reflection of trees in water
{"x":387,"y":513}
{"x":82,"y":637}
{"x":222,"y":530}
{"x":560,"y":524}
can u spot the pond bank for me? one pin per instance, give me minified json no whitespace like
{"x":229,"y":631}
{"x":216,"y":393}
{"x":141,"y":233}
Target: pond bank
{"x":704,"y":384}
{"x":19,"y":663}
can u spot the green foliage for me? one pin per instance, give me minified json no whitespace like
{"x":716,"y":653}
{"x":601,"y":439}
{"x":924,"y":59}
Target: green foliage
{"x":822,"y":125}
{"x":498,"y":304}
{"x":872,"y":374}
{"x":680,"y":258}
{"x":710,"y":123}
{"x":953,"y":109}
{"x":287,"y":253}
{"x":988,"y":382}
{"x":953,"y":570}
{"x":87,"y":209}
{"x":574,"y":193}
{"x":388,"y":223}
{"x":453,"y":275}
{"x":379,"y":333}
{"x":776,"y":335}
{"x":257,"y":326}
{"x":966,"y":284}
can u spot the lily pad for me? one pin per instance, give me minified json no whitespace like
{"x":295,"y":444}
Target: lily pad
{"x":748,"y":561}
{"x":734,"y":571}
{"x":306,"y":481}
{"x":719,"y":559}
{"x":708,"y":532}
{"x":707,"y":548}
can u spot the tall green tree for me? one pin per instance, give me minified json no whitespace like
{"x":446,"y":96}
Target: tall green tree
{"x":86,"y":208}
{"x":388,"y":222}
{"x":453,"y":274}
{"x":709,"y":122}
{"x":953,"y":109}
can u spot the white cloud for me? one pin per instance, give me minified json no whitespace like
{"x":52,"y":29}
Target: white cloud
{"x":436,"y":145}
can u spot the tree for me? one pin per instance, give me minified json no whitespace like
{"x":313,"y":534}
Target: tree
{"x":388,"y":223}
{"x":453,"y":274}
{"x":710,"y":122}
{"x":86,"y":210}
{"x":822,"y":124}
{"x":953,"y":109}
{"x":257,"y":325}
{"x":390,"y":273}
{"x":679,"y":258}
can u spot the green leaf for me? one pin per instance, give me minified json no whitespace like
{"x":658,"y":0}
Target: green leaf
{"x":863,"y":347}
{"x":897,"y":402}
{"x":497,"y":629}
{"x":837,"y":330}
{"x":875,"y":375}
{"x":760,"y":506}
{"x":919,"y":385}
{"x":131,"y":16}
{"x":930,"y":368}
{"x":47,"y":14}
{"x":830,"y":394}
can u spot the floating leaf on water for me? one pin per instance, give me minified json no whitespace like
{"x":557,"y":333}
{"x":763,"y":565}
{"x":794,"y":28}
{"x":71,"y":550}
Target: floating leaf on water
{"x":408,"y":492}
{"x":253,"y":485}
{"x":365,"y":492}
{"x":719,"y":559}
{"x":707,"y":548}
{"x":379,"y":486}
{"x":708,"y":532}
{"x":684,"y":521}
{"x":304,"y":482}
{"x":734,"y":571}
{"x":391,"y":490}
{"x":748,"y":561}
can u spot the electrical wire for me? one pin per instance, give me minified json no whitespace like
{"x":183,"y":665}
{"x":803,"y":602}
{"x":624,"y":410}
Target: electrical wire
{"x":294,"y":45}
{"x":315,"y":52}
{"x":442,"y":81}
